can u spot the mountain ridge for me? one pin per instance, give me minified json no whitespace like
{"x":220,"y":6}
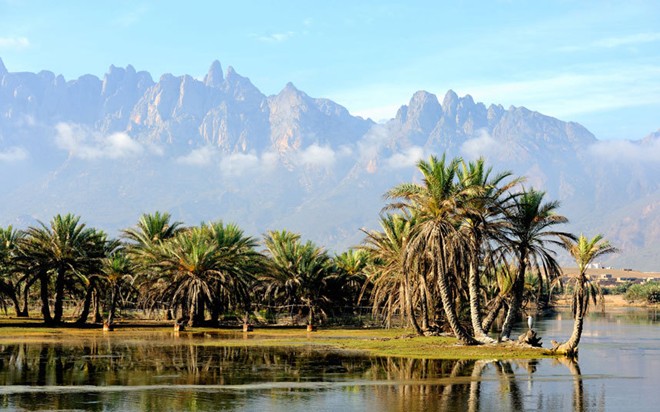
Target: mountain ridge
{"x":231,"y":152}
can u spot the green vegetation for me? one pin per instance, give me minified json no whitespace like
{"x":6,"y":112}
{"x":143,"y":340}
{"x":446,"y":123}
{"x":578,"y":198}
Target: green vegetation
{"x":456,"y":250}
{"x":647,"y":292}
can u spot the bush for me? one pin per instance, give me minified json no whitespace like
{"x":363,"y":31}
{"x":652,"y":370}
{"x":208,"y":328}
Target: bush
{"x":648,"y":292}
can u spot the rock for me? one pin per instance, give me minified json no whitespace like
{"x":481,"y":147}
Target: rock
{"x":530,"y":338}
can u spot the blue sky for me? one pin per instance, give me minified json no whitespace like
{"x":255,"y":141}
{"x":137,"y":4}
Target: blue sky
{"x":594,"y":62}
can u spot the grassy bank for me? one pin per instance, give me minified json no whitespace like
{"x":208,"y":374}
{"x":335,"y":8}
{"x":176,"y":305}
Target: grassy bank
{"x":375,"y":342}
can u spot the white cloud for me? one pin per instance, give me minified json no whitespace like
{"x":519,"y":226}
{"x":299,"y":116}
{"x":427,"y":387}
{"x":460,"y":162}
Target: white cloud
{"x":14,"y":43}
{"x":276,"y":37}
{"x":482,"y":145}
{"x":408,"y":158}
{"x":632,"y":39}
{"x":372,"y":142}
{"x":13,"y":154}
{"x":199,"y":157}
{"x":626,"y":151}
{"x":238,"y":164}
{"x":85,"y":144}
{"x":572,"y":93}
{"x":316,"y":155}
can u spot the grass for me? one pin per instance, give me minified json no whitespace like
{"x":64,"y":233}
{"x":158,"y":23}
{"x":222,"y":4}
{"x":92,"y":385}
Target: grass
{"x":376,"y":342}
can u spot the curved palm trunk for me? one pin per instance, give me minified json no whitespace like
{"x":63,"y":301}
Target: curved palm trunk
{"x":9,"y":290}
{"x":450,"y":310}
{"x":516,"y":299}
{"x":570,"y":347}
{"x":487,"y":322}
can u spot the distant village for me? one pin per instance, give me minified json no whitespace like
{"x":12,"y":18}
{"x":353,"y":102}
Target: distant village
{"x":610,"y":276}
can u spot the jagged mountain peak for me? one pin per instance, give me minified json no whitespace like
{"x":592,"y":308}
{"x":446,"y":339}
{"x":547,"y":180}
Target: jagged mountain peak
{"x":3,"y":69}
{"x":214,"y":77}
{"x":450,"y":101}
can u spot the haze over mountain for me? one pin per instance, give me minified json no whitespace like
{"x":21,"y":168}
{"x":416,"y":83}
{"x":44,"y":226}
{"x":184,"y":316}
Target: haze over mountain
{"x":217,"y":148}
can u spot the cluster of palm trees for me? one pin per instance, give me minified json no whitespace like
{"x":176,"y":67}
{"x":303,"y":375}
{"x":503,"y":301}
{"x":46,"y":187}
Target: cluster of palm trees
{"x":463,"y":243}
{"x":453,"y":251}
{"x":194,"y":274}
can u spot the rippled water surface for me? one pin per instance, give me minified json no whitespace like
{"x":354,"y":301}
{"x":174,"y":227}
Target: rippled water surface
{"x":618,"y":369}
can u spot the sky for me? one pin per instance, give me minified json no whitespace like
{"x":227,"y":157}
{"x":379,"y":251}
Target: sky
{"x":593,"y":62}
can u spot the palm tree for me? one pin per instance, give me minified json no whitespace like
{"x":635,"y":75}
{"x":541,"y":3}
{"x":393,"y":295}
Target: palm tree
{"x":386,"y":272}
{"x":186,"y":267}
{"x":349,"y":278}
{"x":150,"y":232}
{"x":9,"y":241}
{"x":483,"y":224}
{"x":439,"y":205}
{"x":117,"y":269}
{"x":528,"y":232}
{"x":63,"y":249}
{"x":300,"y":268}
{"x":92,"y":277}
{"x":238,"y":263}
{"x":584,"y":251}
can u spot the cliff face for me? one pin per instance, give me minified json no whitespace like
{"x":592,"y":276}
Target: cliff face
{"x":217,"y":147}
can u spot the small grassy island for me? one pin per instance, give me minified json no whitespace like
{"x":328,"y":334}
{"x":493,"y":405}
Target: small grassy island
{"x":455,"y":253}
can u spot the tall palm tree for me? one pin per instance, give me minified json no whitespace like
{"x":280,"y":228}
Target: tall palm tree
{"x":303,"y":268}
{"x":386,"y":272}
{"x":483,"y":223}
{"x":64,"y":248}
{"x":439,"y":205}
{"x":584,"y":251}
{"x":529,"y":231}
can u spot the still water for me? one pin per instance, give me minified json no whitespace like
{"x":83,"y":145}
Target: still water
{"x":618,"y":370}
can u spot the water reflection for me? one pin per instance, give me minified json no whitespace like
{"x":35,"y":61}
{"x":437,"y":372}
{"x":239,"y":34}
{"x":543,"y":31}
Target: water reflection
{"x":163,"y":372}
{"x":106,"y":375}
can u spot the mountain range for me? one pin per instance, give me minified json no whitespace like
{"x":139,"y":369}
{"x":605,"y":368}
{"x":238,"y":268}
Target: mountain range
{"x":217,"y":148}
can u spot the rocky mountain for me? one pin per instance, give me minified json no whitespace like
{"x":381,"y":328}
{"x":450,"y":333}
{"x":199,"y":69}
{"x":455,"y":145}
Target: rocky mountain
{"x":217,"y":148}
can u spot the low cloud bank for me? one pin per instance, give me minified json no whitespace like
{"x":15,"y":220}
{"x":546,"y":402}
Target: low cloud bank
{"x":85,"y":144}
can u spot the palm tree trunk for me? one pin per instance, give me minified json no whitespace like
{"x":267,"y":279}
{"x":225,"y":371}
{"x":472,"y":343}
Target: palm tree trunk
{"x":9,"y":290}
{"x":450,"y":311}
{"x":475,"y":306}
{"x":26,"y":295}
{"x":97,"y":308}
{"x":113,"y":304}
{"x":569,"y":347}
{"x":516,"y":299}
{"x":59,"y":296}
{"x":310,"y":321}
{"x":492,"y":314}
{"x":45,"y":307}
{"x":423,"y":302}
{"x":84,"y":314}
{"x":409,"y":306}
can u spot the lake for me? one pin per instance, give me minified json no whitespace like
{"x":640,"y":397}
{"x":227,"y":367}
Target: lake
{"x":618,"y":369}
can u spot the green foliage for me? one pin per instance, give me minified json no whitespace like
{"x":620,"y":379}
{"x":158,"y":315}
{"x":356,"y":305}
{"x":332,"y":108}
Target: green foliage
{"x":648,"y":292}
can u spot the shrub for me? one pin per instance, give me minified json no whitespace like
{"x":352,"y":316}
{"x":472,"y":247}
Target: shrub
{"x":649,"y":292}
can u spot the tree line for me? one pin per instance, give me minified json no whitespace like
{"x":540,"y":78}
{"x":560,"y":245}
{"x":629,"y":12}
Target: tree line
{"x":454,"y":251}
